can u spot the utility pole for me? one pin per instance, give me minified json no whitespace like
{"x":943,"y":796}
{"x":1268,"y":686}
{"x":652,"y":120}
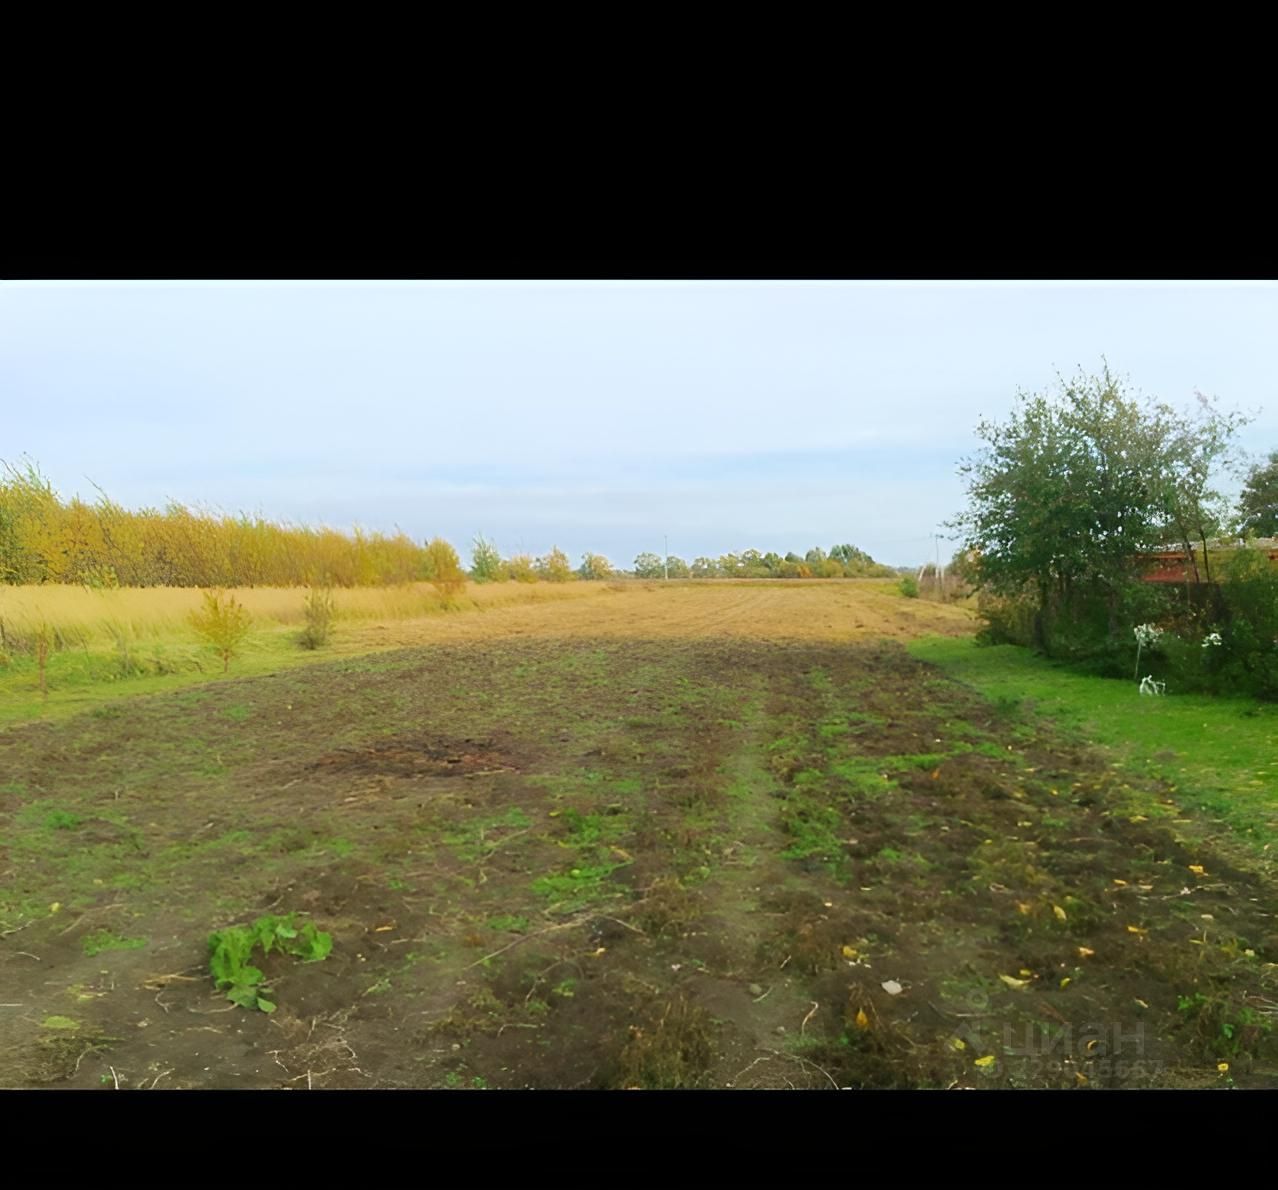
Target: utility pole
{"x":940,"y":586}
{"x":665,"y":558}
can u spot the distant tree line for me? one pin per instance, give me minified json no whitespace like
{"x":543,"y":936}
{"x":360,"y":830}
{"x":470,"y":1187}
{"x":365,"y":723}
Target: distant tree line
{"x":47,"y":539}
{"x":842,"y":561}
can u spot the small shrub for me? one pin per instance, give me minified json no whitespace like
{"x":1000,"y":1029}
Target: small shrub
{"x":521,"y":569}
{"x":485,"y":561}
{"x":444,"y":570}
{"x":909,"y":586}
{"x":320,"y":612}
{"x":1007,"y":621}
{"x":222,"y":622}
{"x":554,"y":567}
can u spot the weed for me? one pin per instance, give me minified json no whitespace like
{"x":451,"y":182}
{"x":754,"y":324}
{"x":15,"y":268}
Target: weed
{"x":103,"y":940}
{"x":575,"y":888}
{"x":320,"y":611}
{"x":61,"y":820}
{"x":668,"y":1051}
{"x":509,"y":922}
{"x":231,"y":949}
{"x":1224,"y":1027}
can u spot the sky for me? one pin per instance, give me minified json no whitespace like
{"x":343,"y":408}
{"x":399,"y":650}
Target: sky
{"x":597,"y":416}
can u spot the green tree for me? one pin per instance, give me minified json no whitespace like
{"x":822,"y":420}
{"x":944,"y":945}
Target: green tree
{"x":1258,"y":504}
{"x":554,"y":567}
{"x":676,"y":567}
{"x":520,"y":568}
{"x":1075,"y":485}
{"x":443,"y":568}
{"x":485,"y":561}
{"x":595,"y":567}
{"x":704,"y":568}
{"x":649,"y":565}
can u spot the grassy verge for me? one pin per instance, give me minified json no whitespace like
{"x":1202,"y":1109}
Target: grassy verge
{"x":139,"y":641}
{"x":1217,"y":754}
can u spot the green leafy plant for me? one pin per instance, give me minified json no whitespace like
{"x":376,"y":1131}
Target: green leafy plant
{"x":231,"y":949}
{"x":909,"y":586}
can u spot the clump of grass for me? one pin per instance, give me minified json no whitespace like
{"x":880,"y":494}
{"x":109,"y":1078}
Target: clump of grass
{"x":669,"y":1051}
{"x":104,"y":940}
{"x":43,"y":644}
{"x":668,"y":908}
{"x":1224,"y":1026}
{"x":62,"y":1047}
{"x":320,"y":611}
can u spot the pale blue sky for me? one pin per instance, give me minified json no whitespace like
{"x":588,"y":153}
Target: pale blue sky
{"x":589,"y":415}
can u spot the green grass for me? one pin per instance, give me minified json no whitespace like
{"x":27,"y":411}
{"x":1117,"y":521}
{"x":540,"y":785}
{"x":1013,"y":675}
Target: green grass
{"x":1218,"y":753}
{"x":92,"y":681}
{"x":103,"y":940}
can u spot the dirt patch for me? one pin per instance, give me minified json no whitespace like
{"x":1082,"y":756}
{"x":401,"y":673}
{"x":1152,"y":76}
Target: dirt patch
{"x":410,"y":756}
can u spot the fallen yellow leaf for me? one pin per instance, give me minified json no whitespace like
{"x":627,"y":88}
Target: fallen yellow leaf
{"x":1120,"y":883}
{"x":862,"y":1021}
{"x":1140,"y":1002}
{"x":1222,"y":1067}
{"x":1065,"y":982}
{"x":1060,"y":913}
{"x":55,"y":906}
{"x":957,"y":1043}
{"x":1085,"y":952}
{"x":849,"y":952}
{"x":988,"y":1060}
{"x":1080,"y":1076}
{"x":1198,"y":869}
{"x":1025,"y":971}
{"x":1136,"y":930}
{"x":1024,"y":906}
{"x":1013,"y":982}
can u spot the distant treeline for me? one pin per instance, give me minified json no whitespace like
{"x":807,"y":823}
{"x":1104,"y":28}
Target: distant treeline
{"x":47,"y":539}
{"x":842,"y":561}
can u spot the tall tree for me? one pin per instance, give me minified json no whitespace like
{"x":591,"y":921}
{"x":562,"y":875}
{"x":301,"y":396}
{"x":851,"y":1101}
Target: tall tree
{"x":1075,"y":485}
{"x":1258,"y":505}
